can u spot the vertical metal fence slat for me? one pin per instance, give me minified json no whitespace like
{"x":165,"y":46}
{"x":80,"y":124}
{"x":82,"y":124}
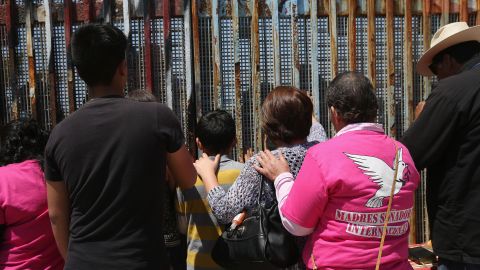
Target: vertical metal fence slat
{"x":445,"y":12}
{"x":67,"y":17}
{"x":51,"y":62}
{"x":147,"y":28}
{"x":167,"y":37}
{"x":408,"y":68}
{"x":276,"y":42}
{"x":463,"y":11}
{"x":371,"y":42}
{"x":191,"y":115}
{"x":31,"y":59}
{"x":255,"y":47}
{"x":332,"y":15}
{"x":295,"y":53}
{"x":217,"y":84}
{"x":196,"y":60}
{"x":426,"y":43}
{"x":352,"y":11}
{"x":478,"y":12}
{"x":332,"y":29}
{"x":126,"y":18}
{"x":314,"y":59}
{"x":238,"y":94}
{"x":90,"y":11}
{"x":391,"y":109}
{"x":107,"y":11}
{"x":10,"y":21}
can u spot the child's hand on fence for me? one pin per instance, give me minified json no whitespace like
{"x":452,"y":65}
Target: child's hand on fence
{"x":247,"y":155}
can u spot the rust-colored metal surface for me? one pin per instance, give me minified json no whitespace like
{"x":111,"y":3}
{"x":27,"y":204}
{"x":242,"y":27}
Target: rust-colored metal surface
{"x":478,"y":12}
{"x":3,"y":13}
{"x":333,"y":36}
{"x":217,"y":84}
{"x":352,"y":14}
{"x":408,"y":68}
{"x":237,"y":82}
{"x":463,"y":11}
{"x":32,"y":97}
{"x":255,"y":41}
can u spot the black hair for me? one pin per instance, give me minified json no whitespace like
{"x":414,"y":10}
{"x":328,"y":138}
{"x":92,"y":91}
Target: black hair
{"x":22,"y":140}
{"x":216,"y":131}
{"x":97,"y":50}
{"x":461,"y":52}
{"x":353,"y":97}
{"x":141,"y":96}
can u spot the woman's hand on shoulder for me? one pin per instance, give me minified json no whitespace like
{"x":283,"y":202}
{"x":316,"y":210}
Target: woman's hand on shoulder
{"x":206,"y":168}
{"x":271,"y":166}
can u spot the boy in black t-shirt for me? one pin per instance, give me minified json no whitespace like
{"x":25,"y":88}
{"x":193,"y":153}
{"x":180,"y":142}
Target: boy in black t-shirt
{"x":105,"y":164}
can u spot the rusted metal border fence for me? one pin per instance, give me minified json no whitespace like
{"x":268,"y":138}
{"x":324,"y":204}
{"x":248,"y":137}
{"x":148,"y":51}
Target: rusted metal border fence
{"x":204,"y":54}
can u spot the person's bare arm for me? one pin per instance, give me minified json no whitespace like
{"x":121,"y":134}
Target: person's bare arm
{"x":419,"y":109}
{"x":207,"y":170}
{"x":181,"y":167}
{"x":59,"y":212}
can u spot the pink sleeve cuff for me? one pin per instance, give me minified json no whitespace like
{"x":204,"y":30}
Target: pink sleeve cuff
{"x":283,"y":184}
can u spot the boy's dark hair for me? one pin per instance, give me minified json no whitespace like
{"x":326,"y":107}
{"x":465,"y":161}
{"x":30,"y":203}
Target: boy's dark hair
{"x":352,"y":95}
{"x":461,"y":52}
{"x":216,"y":131}
{"x":22,"y":140}
{"x":141,"y":95}
{"x":287,"y":114}
{"x":97,"y":50}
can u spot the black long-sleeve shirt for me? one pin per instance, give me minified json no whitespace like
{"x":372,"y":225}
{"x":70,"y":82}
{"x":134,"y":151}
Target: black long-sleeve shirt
{"x":445,"y":139}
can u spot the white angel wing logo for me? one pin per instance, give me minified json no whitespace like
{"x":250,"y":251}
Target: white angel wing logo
{"x":381,"y":174}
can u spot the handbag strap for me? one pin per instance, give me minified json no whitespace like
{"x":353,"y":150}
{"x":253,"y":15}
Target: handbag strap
{"x":260,"y":192}
{"x":389,"y":207}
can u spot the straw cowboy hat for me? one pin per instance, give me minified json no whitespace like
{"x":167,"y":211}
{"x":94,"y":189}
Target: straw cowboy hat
{"x":447,"y":36}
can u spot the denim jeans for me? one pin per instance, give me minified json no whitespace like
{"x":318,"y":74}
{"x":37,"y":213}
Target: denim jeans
{"x":444,"y":264}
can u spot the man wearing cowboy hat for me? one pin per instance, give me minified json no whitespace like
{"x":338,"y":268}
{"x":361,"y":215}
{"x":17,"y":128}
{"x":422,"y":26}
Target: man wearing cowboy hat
{"x":445,"y":139}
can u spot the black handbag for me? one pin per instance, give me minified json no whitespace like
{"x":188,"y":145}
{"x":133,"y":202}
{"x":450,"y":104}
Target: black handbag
{"x":260,"y":242}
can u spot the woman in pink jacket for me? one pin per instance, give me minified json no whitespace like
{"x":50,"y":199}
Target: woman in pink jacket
{"x":26,"y":238}
{"x":341,"y":193}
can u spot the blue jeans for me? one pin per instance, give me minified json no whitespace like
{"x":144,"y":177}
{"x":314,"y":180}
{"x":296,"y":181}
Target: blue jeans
{"x":444,"y":264}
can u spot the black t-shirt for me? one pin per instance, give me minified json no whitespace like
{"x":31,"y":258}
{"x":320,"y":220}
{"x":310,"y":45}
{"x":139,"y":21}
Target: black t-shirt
{"x":111,"y":153}
{"x":445,"y":139}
